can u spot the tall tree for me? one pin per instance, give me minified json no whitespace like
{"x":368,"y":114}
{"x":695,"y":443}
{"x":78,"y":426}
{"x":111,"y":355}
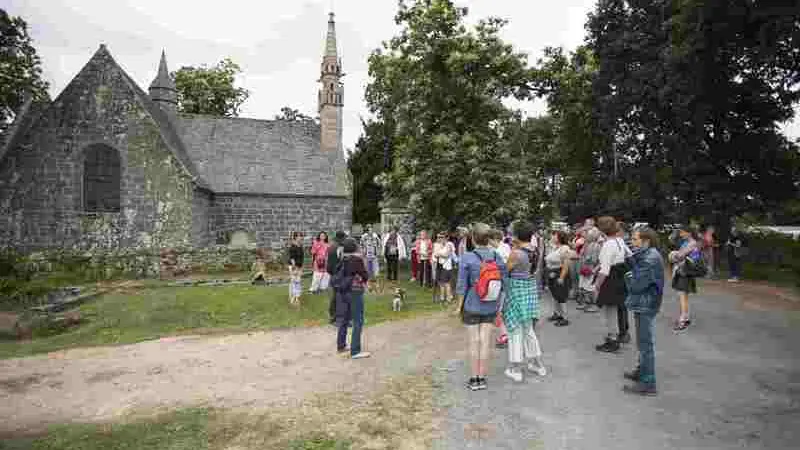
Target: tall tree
{"x":691,"y":93}
{"x":442,"y":85}
{"x":210,"y":90}
{"x":365,"y":164}
{"x":20,"y":68}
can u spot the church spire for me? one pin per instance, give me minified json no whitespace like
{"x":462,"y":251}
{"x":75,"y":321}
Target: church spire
{"x":162,"y":89}
{"x":330,"y":40}
{"x":331,"y":95}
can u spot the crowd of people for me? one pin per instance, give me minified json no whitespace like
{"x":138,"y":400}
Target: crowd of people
{"x":498,"y":277}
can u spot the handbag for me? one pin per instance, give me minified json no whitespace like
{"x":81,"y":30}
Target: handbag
{"x":586,"y":270}
{"x":694,"y":268}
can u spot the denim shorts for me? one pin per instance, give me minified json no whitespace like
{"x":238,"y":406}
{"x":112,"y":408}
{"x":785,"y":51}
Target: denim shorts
{"x":477,"y":319}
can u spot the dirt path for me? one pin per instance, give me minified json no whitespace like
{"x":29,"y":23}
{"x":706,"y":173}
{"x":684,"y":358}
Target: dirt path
{"x":252,"y":370}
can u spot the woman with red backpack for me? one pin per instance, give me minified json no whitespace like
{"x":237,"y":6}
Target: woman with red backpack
{"x":480,"y":285}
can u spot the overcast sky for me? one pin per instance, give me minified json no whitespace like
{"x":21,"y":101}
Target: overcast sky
{"x":278,"y":43}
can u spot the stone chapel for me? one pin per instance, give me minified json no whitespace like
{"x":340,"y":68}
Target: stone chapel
{"x":107,"y":165}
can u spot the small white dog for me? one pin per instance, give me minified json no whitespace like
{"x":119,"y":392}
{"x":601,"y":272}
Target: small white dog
{"x":397,"y":302}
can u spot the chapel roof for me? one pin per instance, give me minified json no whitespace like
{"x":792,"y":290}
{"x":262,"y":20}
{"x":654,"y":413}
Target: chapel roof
{"x":225,"y":155}
{"x":242,"y":155}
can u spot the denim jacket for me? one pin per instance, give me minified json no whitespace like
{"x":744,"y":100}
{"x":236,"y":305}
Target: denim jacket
{"x":469,"y":270}
{"x":645,"y":281}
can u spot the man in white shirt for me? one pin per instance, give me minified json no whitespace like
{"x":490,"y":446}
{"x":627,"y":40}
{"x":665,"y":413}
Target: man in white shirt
{"x":609,"y":287}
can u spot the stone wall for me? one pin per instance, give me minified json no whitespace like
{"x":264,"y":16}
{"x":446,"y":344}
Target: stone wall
{"x":162,"y":205}
{"x":202,"y":235}
{"x":41,"y":174}
{"x":140,"y":263}
{"x":273,"y":218}
{"x":395,"y":214}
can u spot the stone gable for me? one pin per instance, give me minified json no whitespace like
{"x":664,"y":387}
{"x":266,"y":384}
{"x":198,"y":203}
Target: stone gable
{"x":167,"y":180}
{"x":41,"y":173}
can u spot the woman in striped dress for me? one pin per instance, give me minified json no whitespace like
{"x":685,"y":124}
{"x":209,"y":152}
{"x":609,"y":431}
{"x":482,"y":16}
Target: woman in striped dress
{"x":521,"y":308}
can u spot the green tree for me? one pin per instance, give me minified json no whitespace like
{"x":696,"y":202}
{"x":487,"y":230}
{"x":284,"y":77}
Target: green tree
{"x":210,"y":90}
{"x":290,"y":114}
{"x":691,"y":93}
{"x":441,"y":84}
{"x":20,"y":68}
{"x":365,"y":164}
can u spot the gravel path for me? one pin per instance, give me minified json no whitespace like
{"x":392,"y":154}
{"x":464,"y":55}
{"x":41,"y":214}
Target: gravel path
{"x":731,"y":381}
{"x":249,"y":370}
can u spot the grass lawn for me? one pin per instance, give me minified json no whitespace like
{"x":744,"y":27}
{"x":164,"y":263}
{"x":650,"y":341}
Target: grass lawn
{"x":150,"y":312}
{"x":401,"y":415}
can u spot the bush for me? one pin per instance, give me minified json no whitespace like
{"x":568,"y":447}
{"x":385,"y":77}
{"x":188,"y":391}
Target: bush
{"x":773,"y":257}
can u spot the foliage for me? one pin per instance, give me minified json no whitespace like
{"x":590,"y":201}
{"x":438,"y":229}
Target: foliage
{"x":773,"y":256}
{"x":690,"y":93}
{"x":20,"y":68}
{"x":153,"y":311}
{"x":365,"y":164}
{"x":292,"y":115}
{"x":442,"y":85}
{"x":210,"y":90}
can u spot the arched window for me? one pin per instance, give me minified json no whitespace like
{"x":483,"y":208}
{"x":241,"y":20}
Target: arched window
{"x":102,"y":173}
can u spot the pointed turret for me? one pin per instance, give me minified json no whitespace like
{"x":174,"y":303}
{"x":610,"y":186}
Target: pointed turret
{"x":330,"y":40}
{"x":162,"y":89}
{"x":332,"y":92}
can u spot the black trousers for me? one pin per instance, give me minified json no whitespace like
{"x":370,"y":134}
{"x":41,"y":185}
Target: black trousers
{"x":391,"y":267}
{"x":622,"y":320}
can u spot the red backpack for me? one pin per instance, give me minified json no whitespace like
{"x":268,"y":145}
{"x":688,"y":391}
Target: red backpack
{"x":490,"y":281}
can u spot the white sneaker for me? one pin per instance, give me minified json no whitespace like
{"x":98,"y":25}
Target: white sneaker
{"x":538,"y":370}
{"x":361,"y":355}
{"x":515,"y":375}
{"x":733,"y":280}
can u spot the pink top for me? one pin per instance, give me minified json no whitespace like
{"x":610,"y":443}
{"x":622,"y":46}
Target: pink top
{"x":319,"y":252}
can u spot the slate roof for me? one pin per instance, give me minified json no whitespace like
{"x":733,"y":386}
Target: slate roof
{"x":229,"y":155}
{"x":31,"y":112}
{"x":239,"y":155}
{"x":166,"y":126}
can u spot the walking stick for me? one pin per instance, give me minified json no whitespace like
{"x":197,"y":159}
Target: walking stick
{"x":433,"y":279}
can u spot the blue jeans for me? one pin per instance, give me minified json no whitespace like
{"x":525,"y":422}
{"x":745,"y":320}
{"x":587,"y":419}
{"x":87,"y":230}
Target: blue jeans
{"x":646,"y":341}
{"x":372,"y":266}
{"x":735,"y":266}
{"x":357,"y":314}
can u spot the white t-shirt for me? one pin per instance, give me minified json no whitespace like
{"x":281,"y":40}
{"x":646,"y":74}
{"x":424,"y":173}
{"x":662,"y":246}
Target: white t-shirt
{"x":556,"y":258}
{"x":612,"y":253}
{"x":442,"y":254}
{"x":423,"y":249}
{"x":504,"y":250}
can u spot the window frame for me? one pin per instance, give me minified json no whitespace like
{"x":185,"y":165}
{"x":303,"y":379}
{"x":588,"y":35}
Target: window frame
{"x":94,"y":150}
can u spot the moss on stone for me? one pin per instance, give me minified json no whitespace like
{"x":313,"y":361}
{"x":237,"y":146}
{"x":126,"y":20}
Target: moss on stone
{"x":167,"y":185}
{"x":102,"y":96}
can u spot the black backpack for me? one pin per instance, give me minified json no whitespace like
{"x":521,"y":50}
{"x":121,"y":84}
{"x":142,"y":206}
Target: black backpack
{"x":341,"y":281}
